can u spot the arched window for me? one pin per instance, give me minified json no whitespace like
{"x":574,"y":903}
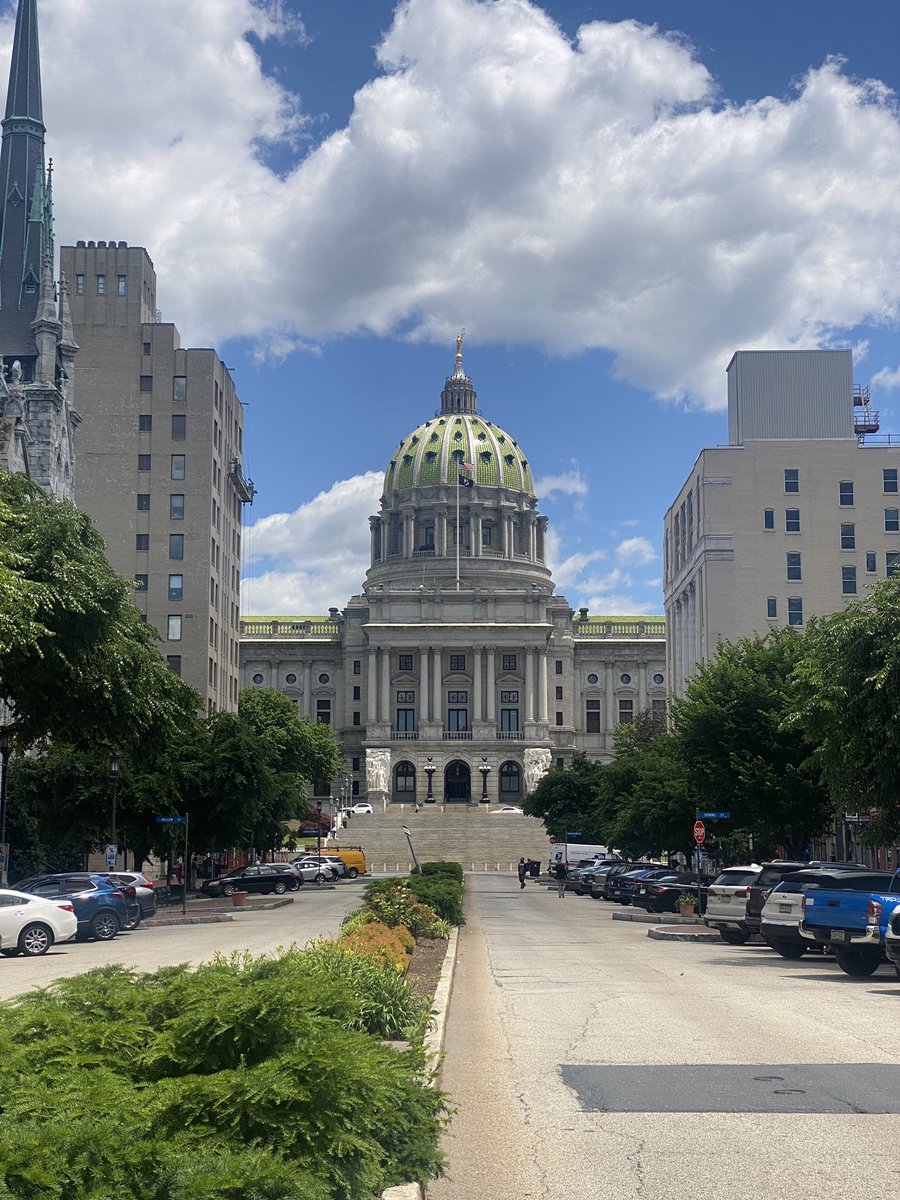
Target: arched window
{"x":405,"y":778}
{"x":511,"y":778}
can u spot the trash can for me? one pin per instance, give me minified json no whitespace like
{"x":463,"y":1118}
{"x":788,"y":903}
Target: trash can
{"x":534,"y":868}
{"x":238,"y":899}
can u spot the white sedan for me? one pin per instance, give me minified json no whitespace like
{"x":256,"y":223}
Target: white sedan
{"x":30,"y":924}
{"x":506,"y":808}
{"x":360,"y":808}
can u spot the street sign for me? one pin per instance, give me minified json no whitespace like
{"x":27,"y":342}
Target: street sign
{"x":406,"y":831}
{"x":552,"y":840}
{"x":715,"y":816}
{"x":170,"y":820}
{"x":573,"y":833}
{"x":699,"y":832}
{"x":112,"y":854}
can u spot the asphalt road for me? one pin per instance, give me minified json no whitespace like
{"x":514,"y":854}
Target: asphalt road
{"x":587,"y":1059}
{"x":316,"y":912}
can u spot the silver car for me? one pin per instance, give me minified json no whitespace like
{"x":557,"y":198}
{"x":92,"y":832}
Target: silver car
{"x":726,"y":903}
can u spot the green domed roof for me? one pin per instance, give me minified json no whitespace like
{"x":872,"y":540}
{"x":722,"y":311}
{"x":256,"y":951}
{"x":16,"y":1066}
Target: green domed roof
{"x":428,"y":456}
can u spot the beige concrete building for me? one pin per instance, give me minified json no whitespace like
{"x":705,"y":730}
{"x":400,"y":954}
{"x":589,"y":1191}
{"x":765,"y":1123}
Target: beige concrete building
{"x":796,"y":516}
{"x":160,"y":462}
{"x":458,"y":675}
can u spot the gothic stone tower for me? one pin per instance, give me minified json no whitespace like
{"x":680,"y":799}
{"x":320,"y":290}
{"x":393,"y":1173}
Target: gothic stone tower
{"x":37,"y":415}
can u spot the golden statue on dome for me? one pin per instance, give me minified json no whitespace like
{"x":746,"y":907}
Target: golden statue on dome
{"x":459,"y":342}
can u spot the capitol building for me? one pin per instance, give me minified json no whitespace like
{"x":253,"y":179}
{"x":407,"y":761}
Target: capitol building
{"x":459,"y":675}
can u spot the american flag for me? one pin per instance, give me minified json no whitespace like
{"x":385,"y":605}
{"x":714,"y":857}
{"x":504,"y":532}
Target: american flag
{"x":467,"y":466}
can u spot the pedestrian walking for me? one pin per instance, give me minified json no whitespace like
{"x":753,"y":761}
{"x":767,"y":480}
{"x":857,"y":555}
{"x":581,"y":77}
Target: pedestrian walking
{"x":560,"y":871}
{"x":523,"y":869}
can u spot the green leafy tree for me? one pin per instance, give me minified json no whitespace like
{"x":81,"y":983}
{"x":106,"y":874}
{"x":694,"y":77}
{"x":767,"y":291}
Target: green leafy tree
{"x":742,"y":750}
{"x":643,"y":796}
{"x":76,"y":661}
{"x":847,"y":699}
{"x":566,"y":799}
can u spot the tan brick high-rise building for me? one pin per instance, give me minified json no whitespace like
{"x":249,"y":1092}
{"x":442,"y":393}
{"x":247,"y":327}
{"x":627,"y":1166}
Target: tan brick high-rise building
{"x":160,"y":462}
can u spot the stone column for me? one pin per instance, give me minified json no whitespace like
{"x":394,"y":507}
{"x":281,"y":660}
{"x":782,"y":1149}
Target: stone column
{"x":642,"y":685}
{"x":476,"y":534}
{"x":375,"y":532}
{"x":437,"y":683}
{"x":472,"y":543}
{"x":491,"y":685}
{"x":385,"y":535}
{"x":542,"y":684}
{"x":610,"y":698}
{"x":441,"y":534}
{"x":532,"y":539}
{"x":529,"y":685}
{"x":372,"y":687}
{"x":476,"y":699}
{"x":423,"y":683}
{"x":385,"y":686}
{"x":307,"y":690}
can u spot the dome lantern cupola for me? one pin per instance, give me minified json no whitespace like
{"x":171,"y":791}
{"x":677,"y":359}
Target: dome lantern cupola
{"x":458,"y":395}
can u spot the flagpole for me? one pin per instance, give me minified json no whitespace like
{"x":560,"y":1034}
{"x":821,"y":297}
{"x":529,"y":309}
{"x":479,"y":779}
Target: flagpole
{"x":458,"y":474}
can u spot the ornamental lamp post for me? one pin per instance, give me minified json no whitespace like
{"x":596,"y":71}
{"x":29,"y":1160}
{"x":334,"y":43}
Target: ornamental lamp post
{"x":114,"y":786}
{"x":429,"y":771}
{"x":485,"y":771}
{"x":5,"y":751}
{"x":319,"y":828}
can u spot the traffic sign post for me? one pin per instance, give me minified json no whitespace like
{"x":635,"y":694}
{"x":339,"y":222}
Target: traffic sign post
{"x":715,"y":816}
{"x":112,"y":856}
{"x":186,"y":874}
{"x":699,"y":832}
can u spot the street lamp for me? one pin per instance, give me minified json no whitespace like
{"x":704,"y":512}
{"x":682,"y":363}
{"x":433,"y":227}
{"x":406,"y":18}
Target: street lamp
{"x":485,"y":770}
{"x":429,"y":771}
{"x":114,"y":785}
{"x":319,"y":828}
{"x":5,"y":750}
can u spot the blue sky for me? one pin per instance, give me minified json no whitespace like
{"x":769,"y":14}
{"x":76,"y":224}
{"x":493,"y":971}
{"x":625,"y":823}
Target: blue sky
{"x":610,"y":197}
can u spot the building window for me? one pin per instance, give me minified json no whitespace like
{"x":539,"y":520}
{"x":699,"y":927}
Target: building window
{"x":871,"y":563}
{"x":429,"y":537}
{"x":357,"y":693}
{"x":845,"y":492}
{"x":178,"y":466}
{"x":176,"y":545}
{"x":658,"y":679}
{"x":848,"y":581}
{"x":356,"y":718}
{"x":560,"y":764}
{"x":768,"y":518}
{"x":848,"y":537}
{"x":354,"y":765}
{"x":509,"y":720}
{"x":406,"y":697}
{"x":173,"y":662}
{"x":142,"y":542}
{"x":510,"y":778}
{"x":176,"y":506}
{"x":772,"y":608}
{"x":458,"y":720}
{"x":354,"y":788}
{"x":559,"y":694}
{"x":146,"y":349}
{"x":176,"y":587}
{"x":457,"y":662}
{"x":625,"y":680}
{"x":626,"y":712}
{"x":486,"y":535}
{"x":793,"y":566}
{"x":357,"y":668}
{"x":792,"y":480}
{"x":145,"y":423}
{"x":792,"y":520}
{"x":143,"y":462}
{"x":120,"y":285}
{"x":323,"y":678}
{"x":173,"y":628}
{"x":405,"y":662}
{"x":509,"y":662}
{"x":179,"y":389}
{"x":179,"y":427}
{"x":101,"y":285}
{"x":658,"y":708}
{"x":457,"y":697}
{"x":892,"y":520}
{"x":258,"y":679}
{"x":559,"y":718}
{"x":889,"y":479}
{"x":141,"y":583}
{"x":291,"y":678}
{"x":79,"y":285}
{"x":892,"y":562}
{"x":559,"y":663}
{"x":143,"y":501}
{"x":795,"y":610}
{"x":593,"y":679}
{"x":323,"y":712}
{"x":406,"y":720}
{"x":146,"y":383}
{"x":509,"y":697}
{"x":592,"y":716}
{"x":405,"y":778}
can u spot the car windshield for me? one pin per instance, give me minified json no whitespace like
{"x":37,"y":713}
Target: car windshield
{"x":770,"y":875}
{"x":735,"y":878}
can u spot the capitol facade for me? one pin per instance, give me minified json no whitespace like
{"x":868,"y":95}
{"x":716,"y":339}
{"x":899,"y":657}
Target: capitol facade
{"x":458,"y":675}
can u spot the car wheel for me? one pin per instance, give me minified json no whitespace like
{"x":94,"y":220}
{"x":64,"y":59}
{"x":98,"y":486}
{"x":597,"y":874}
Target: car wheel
{"x":104,"y":926}
{"x":857,"y":963}
{"x":320,"y":878}
{"x":280,"y":887}
{"x":35,"y":940}
{"x":228,"y":889}
{"x":594,"y":896}
{"x":789,"y":949}
{"x":295,"y":883}
{"x":734,"y":937}
{"x":353,"y":872}
{"x":132,"y":923}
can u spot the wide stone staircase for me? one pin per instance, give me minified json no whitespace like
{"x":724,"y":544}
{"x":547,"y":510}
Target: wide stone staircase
{"x":479,"y":839}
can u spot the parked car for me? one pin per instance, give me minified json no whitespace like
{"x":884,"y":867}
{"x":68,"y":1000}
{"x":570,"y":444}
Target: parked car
{"x":575,"y":879}
{"x":313,"y":872}
{"x":100,"y":906}
{"x":600,"y":887}
{"x":260,"y":877}
{"x":30,"y":924}
{"x":589,"y":875}
{"x":783,"y":909}
{"x":726,"y":903}
{"x":852,"y":917}
{"x":773,"y":872}
{"x":334,"y":861}
{"x":892,"y":939}
{"x":144,"y":889}
{"x":622,"y":887}
{"x":511,"y":809}
{"x":360,"y":808}
{"x":661,"y":895}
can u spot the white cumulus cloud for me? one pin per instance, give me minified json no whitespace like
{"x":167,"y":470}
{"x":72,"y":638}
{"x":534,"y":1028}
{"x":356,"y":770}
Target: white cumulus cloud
{"x":636,"y":551}
{"x":567,"y":483}
{"x":887,"y":379}
{"x":586,"y":193}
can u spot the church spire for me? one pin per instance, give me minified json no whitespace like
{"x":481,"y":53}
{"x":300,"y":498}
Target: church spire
{"x":26,"y":236}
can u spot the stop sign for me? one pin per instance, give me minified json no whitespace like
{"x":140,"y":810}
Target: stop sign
{"x":699,"y":832}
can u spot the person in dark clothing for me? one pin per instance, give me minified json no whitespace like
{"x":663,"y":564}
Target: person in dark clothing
{"x":523,"y":868}
{"x":560,"y":871}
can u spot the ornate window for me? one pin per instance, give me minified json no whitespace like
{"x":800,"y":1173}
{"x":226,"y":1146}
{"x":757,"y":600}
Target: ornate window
{"x":405,"y":777}
{"x":457,"y":697}
{"x":510,"y":778}
{"x":406,"y":697}
{"x":509,"y":697}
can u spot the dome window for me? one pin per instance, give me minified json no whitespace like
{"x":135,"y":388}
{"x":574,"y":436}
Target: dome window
{"x":486,"y":456}
{"x":457,"y":437}
{"x":508,"y":459}
{"x":433,"y":438}
{"x":414,"y":439}
{"x":430,"y":455}
{"x":407,"y":459}
{"x":482,"y":437}
{"x":502,"y":440}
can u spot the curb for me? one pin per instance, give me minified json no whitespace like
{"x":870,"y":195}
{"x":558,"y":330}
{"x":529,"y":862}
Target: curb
{"x":434,"y":1044}
{"x":687,"y":935}
{"x":208,"y":919}
{"x":656,"y":918}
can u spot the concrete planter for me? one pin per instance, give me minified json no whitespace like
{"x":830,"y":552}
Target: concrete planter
{"x":239,"y":899}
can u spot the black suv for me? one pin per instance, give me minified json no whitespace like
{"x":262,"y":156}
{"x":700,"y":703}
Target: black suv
{"x":261,"y":877}
{"x":772,"y":873}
